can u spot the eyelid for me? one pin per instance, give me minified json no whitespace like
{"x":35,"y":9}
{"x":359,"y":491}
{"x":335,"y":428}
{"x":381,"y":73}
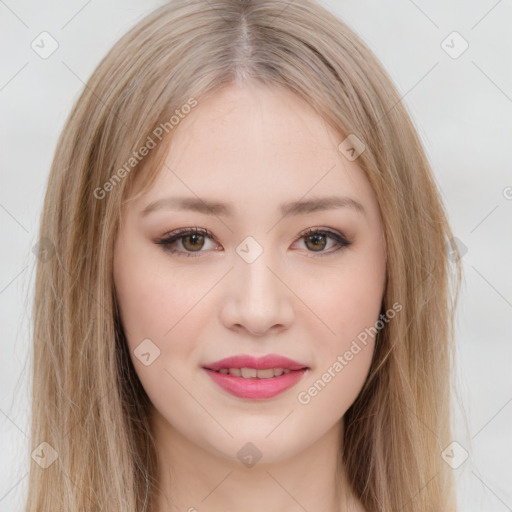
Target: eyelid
{"x":186,"y":231}
{"x":176,"y":235}
{"x":173,"y":236}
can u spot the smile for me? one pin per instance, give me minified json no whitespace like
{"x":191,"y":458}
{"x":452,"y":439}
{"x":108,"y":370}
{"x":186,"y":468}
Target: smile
{"x":250,"y":385}
{"x":251,"y":373}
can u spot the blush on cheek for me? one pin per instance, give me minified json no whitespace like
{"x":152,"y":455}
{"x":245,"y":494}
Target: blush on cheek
{"x":357,"y":306}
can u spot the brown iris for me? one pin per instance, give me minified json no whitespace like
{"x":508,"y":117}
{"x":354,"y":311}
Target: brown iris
{"x":316,"y":238}
{"x":197,"y":242}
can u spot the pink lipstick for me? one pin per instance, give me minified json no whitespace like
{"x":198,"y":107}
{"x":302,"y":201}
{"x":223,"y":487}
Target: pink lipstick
{"x":256,"y":378}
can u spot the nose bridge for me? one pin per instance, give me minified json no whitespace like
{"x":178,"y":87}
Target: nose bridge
{"x":252,"y":270}
{"x":257,"y":298}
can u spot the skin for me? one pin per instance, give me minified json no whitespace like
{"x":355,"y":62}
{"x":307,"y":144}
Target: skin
{"x":253,"y":147}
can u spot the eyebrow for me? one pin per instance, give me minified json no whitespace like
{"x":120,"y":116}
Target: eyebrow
{"x":211,"y":207}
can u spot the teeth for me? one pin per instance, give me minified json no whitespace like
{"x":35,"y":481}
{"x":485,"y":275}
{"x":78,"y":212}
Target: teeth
{"x":251,"y":373}
{"x":265,"y":374}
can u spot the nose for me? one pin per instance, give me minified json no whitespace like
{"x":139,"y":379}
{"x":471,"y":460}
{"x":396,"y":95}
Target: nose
{"x":257,"y":297}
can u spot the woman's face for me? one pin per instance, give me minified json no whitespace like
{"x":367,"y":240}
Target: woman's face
{"x":256,"y":284}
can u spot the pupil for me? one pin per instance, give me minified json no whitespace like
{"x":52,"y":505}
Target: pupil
{"x":194,"y":239}
{"x":316,"y":237}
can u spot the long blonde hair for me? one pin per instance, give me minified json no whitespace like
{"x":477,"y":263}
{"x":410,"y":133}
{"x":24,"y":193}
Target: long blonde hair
{"x":88,"y":403}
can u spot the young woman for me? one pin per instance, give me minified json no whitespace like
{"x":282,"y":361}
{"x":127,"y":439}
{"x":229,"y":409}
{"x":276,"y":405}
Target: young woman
{"x":245,"y":296}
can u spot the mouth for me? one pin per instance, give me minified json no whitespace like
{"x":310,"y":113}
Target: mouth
{"x":254,"y":373}
{"x":277,"y":363}
{"x":256,"y":379}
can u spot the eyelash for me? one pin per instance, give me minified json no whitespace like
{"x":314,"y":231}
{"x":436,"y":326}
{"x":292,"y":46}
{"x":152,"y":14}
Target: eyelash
{"x":183,"y":233}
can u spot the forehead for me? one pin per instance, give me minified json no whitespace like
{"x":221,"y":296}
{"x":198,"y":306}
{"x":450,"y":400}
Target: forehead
{"x":253,"y":144}
{"x":255,"y":114}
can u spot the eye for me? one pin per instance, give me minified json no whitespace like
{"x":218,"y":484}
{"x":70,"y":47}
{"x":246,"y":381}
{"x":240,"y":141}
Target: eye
{"x":317,"y":240}
{"x":191,"y":240}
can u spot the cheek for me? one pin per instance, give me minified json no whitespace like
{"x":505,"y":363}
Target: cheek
{"x":346,"y":346}
{"x":346,"y":299}
{"x":153,"y":300}
{"x":158,"y":317}
{"x":343,"y":358}
{"x":351,"y":319}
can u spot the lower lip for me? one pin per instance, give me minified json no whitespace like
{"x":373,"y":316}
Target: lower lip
{"x":254,"y":388}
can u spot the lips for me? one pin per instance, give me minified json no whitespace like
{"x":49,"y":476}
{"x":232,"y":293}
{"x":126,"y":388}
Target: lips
{"x":253,"y":373}
{"x":270,"y":361}
{"x":256,"y":378}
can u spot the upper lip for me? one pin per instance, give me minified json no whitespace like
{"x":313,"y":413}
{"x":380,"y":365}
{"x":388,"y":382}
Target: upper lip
{"x":261,"y":363}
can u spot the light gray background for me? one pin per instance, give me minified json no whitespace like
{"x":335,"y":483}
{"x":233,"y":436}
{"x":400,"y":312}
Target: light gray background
{"x":461,"y":106}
